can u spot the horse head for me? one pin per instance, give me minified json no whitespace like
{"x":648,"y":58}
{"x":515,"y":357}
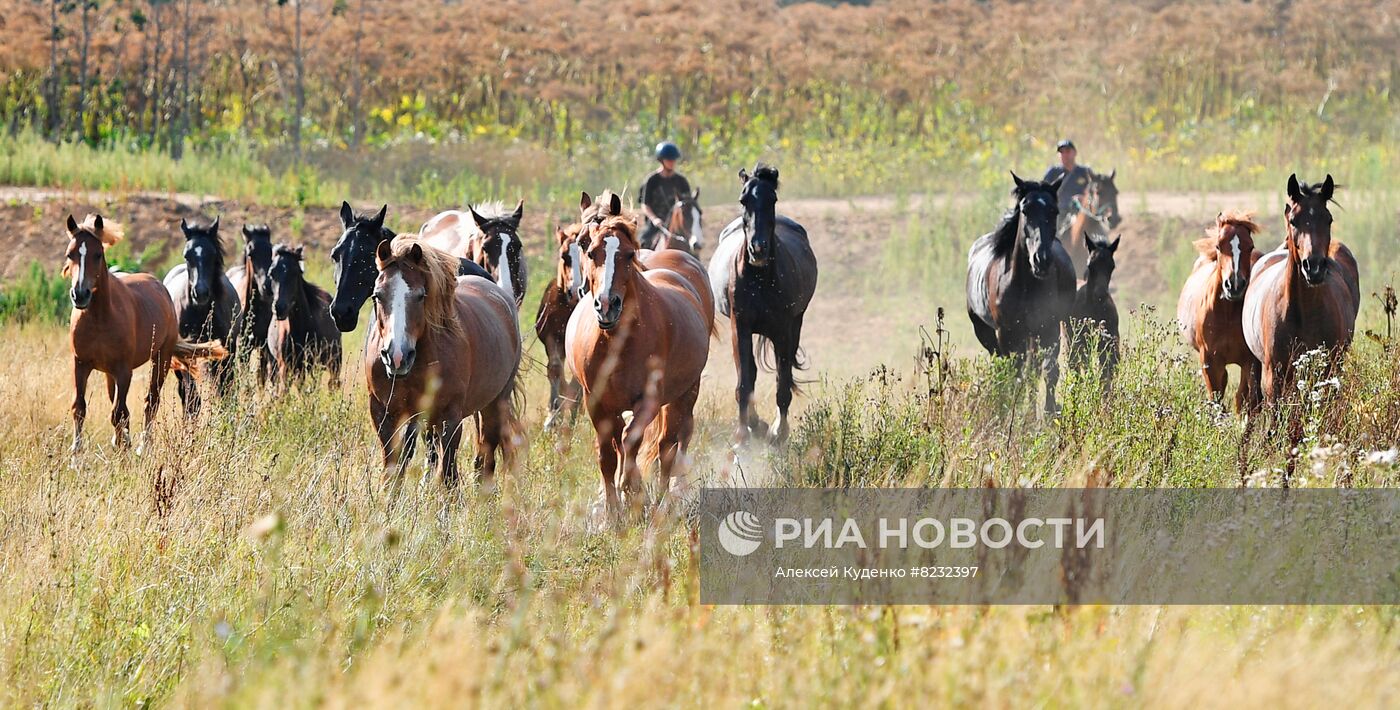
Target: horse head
{"x":499,"y":248}
{"x":354,"y":259}
{"x":569,"y":273}
{"x":287,"y":279}
{"x":1309,"y":228}
{"x":85,"y":261}
{"x":204,"y":261}
{"x":1037,"y":206}
{"x":610,"y":259}
{"x":759,"y":198}
{"x":686,"y":220}
{"x":1233,"y":245}
{"x":257,"y":257}
{"x":1104,"y":193}
{"x":1099,"y":270}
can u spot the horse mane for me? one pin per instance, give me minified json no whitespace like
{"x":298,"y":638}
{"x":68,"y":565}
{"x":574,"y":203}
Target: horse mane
{"x":111,"y":231}
{"x":285,"y":249}
{"x":440,"y":268}
{"x":1004,"y":235}
{"x":1240,"y":219}
{"x":1314,"y":190}
{"x":767,"y":173}
{"x":493,"y":210}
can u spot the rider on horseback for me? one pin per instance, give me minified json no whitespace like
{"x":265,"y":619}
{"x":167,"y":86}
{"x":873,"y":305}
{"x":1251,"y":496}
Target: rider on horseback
{"x":1076,"y":180}
{"x":660,"y":191}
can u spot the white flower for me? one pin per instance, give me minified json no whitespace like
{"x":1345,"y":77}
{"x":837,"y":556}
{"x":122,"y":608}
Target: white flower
{"x":1384,"y":458}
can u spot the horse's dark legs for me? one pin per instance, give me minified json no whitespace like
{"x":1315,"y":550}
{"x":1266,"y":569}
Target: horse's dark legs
{"x":787,"y":360}
{"x":80,"y":378}
{"x":497,"y":423}
{"x":554,"y":371}
{"x":1050,"y":366}
{"x":986,"y":335}
{"x":118,"y":385}
{"x":444,"y":449}
{"x":160,"y":367}
{"x":189,"y":392}
{"x":747,"y":366}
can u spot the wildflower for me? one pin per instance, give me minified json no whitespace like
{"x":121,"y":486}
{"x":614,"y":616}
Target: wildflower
{"x":1383,"y":458}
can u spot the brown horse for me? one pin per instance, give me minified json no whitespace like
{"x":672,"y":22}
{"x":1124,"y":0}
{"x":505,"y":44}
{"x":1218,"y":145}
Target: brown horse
{"x":1210,"y":311}
{"x":638,"y":342}
{"x":440,"y":350}
{"x":119,"y":323}
{"x":684,"y":226}
{"x":557,"y":303}
{"x":1303,"y":297}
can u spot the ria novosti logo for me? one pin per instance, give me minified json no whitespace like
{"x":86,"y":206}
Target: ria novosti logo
{"x":740,"y":533}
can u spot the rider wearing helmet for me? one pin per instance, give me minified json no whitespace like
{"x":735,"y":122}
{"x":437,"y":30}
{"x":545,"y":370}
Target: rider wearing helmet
{"x":660,"y":191}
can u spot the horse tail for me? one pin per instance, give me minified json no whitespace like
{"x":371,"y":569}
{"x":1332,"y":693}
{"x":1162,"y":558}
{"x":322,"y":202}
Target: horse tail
{"x":768,"y":360}
{"x":186,"y":353}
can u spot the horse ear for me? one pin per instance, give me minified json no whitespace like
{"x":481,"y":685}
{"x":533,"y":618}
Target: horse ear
{"x":72,"y":225}
{"x":695,"y":196}
{"x":1113,"y":246}
{"x":519,"y":213}
{"x":247,"y":233}
{"x":185,"y":227}
{"x":585,"y":201}
{"x":300,"y":251}
{"x":480,"y":221}
{"x":1019,"y":182}
{"x":1055,"y":184}
{"x":347,"y":215}
{"x":1294,"y":193}
{"x":1328,"y":187}
{"x":415,"y":253}
{"x":743,"y":175}
{"x":378,"y":220}
{"x":383,"y":253}
{"x":97,"y":223}
{"x":214,"y":226}
{"x":1112,"y":174}
{"x":615,"y":205}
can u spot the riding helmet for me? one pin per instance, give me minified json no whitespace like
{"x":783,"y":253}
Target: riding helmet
{"x":666,"y":150}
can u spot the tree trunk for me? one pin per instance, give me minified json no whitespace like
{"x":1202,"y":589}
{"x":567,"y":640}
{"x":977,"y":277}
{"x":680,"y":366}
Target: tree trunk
{"x":299,"y":90}
{"x":55,"y":34}
{"x":85,"y":41}
{"x":357,"y":123}
{"x":177,"y":145}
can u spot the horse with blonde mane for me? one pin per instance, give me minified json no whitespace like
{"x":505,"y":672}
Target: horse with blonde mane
{"x":1210,"y":311}
{"x":119,"y":323}
{"x":638,"y":342}
{"x":440,"y":349}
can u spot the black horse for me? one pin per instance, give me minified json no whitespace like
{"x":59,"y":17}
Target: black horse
{"x":355,"y":268}
{"x":206,"y":305}
{"x":253,"y":281}
{"x":302,"y":335}
{"x":1020,"y":283}
{"x":763,"y":275}
{"x":1096,"y":312}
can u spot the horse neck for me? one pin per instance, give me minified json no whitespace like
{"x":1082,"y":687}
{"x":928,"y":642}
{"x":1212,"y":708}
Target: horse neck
{"x":109,"y":293}
{"x":300,"y":315}
{"x":639,"y":291}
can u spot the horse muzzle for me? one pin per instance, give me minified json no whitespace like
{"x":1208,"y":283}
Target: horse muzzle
{"x":1314,"y":271}
{"x":81,"y":298}
{"x":758,"y":258}
{"x":398,"y":364}
{"x":345,"y":318}
{"x":609,"y":312}
{"x":1233,"y":289}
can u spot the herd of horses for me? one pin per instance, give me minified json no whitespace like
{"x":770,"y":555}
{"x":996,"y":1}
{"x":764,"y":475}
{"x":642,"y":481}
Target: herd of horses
{"x":1260,"y":312}
{"x":630,"y":322}
{"x":626,"y":326}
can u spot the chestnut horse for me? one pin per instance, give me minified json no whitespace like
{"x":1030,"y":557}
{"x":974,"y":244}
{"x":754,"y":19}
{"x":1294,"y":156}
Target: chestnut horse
{"x":1304,"y":296}
{"x":1210,"y":311}
{"x":763,"y":275}
{"x":490,"y":238}
{"x":253,"y":284}
{"x":119,"y":323}
{"x":559,"y":299}
{"x":1096,"y":312}
{"x":638,"y":342}
{"x":684,"y":226}
{"x":440,"y":349}
{"x":1020,"y":283}
{"x":302,"y":335}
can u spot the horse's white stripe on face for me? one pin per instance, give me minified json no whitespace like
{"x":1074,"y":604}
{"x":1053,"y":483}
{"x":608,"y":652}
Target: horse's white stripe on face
{"x":1235,"y":251}
{"x":576,"y":263}
{"x":82,"y":264}
{"x":609,"y":266}
{"x":398,"y":318}
{"x":504,"y":281}
{"x":697,"y":232}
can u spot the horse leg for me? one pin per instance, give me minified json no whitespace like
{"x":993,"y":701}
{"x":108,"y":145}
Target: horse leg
{"x":121,"y":416}
{"x":81,"y":372}
{"x":160,"y":367}
{"x":748,"y":378}
{"x":609,"y":433}
{"x":189,"y":392}
{"x":554,"y":371}
{"x":447,"y":437}
{"x":633,"y":435}
{"x":495,"y":420}
{"x":1216,"y":376}
{"x":678,"y":424}
{"x":1050,"y":366}
{"x":986,"y":335}
{"x":787,"y":360}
